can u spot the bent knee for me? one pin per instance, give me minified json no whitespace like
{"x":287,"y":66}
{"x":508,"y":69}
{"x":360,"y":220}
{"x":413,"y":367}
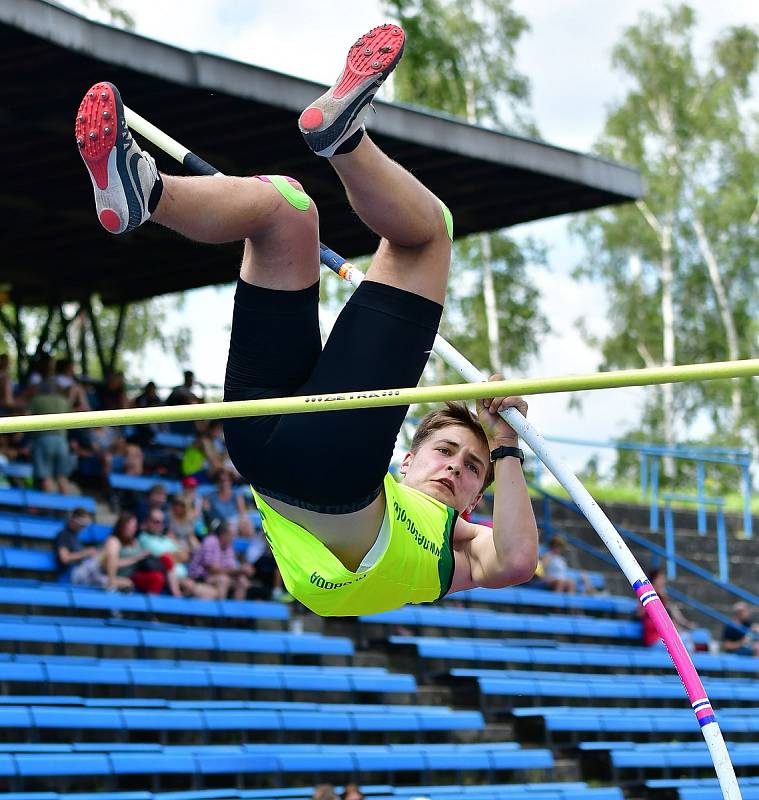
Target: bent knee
{"x":290,"y":189}
{"x":447,"y":218}
{"x":440,"y":229}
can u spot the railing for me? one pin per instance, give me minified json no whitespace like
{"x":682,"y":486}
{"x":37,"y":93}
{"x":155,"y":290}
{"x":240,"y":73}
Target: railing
{"x":546,"y":523}
{"x":651,"y":456}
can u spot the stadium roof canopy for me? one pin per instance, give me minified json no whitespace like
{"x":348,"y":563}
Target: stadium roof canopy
{"x":240,"y":118}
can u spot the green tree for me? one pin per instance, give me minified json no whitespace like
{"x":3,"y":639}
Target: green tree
{"x":461,"y":60}
{"x":143,"y":323}
{"x":679,"y":267}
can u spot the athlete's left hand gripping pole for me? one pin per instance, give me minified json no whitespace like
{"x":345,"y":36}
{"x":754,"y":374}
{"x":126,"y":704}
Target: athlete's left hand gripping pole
{"x":600,"y":522}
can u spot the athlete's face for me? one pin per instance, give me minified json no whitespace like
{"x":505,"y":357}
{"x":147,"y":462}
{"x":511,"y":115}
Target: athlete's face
{"x":449,"y":466}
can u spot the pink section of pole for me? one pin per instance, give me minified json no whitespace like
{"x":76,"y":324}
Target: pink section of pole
{"x":654,"y":607}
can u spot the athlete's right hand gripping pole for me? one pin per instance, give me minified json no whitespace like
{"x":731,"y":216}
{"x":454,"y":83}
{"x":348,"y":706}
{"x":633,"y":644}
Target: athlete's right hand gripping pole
{"x":600,"y":522}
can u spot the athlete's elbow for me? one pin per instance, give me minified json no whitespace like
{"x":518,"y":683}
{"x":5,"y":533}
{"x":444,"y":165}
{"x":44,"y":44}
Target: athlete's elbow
{"x":519,"y":569}
{"x":524,"y":569}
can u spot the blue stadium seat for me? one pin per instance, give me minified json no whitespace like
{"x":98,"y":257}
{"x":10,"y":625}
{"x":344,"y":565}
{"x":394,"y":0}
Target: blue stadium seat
{"x":444,"y":617}
{"x":14,"y":558}
{"x":158,"y":763}
{"x":30,"y":765}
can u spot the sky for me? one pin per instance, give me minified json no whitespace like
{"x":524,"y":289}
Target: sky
{"x":566,"y":56}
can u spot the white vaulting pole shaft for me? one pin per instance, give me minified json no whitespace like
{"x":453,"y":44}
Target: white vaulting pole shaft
{"x":600,"y":522}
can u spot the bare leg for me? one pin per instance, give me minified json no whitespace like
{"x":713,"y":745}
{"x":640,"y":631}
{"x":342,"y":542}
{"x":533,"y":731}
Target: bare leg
{"x":173,"y":581}
{"x":414,"y":253}
{"x":241,"y":586}
{"x":415,"y":250}
{"x":208,"y":209}
{"x":281,"y":242}
{"x":221,"y":582}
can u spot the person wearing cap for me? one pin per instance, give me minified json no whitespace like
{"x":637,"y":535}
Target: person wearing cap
{"x":194,"y":501}
{"x":183,"y":527}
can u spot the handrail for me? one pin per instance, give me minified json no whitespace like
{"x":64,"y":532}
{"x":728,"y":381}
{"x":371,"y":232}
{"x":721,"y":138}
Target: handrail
{"x":685,"y":563}
{"x":682,"y":451}
{"x":675,"y":594}
{"x":708,"y":611}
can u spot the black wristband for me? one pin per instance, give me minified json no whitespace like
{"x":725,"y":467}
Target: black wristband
{"x":502,"y":452}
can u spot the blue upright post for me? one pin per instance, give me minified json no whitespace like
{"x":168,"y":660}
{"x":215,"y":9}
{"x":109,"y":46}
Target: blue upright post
{"x":653,"y":522}
{"x":538,"y":473}
{"x":669,"y":542}
{"x":701,"y":512}
{"x":747,"y":519}
{"x":643,"y":473}
{"x":546,"y":521}
{"x":722,"y":546}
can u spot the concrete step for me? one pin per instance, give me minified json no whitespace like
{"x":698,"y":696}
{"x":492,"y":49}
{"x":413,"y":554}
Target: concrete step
{"x":565,"y":769}
{"x":439,"y":695}
{"x":498,"y":732}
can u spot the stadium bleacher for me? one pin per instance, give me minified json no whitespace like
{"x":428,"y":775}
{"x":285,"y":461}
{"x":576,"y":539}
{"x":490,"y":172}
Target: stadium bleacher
{"x":150,"y":697}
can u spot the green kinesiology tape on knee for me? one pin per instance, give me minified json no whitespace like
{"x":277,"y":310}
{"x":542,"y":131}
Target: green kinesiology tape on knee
{"x":448,"y":217}
{"x":295,"y":197}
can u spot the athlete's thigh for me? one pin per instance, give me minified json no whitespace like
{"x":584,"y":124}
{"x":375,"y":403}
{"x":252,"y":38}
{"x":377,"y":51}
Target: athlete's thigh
{"x":420,"y":270}
{"x":274,"y":346}
{"x":381,"y":340}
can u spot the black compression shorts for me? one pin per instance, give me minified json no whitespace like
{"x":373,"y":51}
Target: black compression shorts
{"x":332,"y":462}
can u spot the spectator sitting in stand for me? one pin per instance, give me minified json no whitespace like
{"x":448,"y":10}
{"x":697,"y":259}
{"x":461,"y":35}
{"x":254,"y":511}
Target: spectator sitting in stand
{"x":184,"y":394}
{"x":102,"y":450}
{"x":555,"y":570}
{"x":226,"y":504}
{"x":122,"y":555}
{"x":149,"y":397}
{"x":52,"y":459}
{"x":555,"y":567}
{"x":133,"y":458}
{"x":352,"y":792}
{"x":739,"y":635}
{"x":68,"y":548}
{"x":70,"y":386}
{"x":40,"y":369}
{"x":206,"y":457}
{"x":172,"y":555}
{"x":157,"y":498}
{"x":112,"y":394}
{"x":184,"y":526}
{"x":194,"y":503}
{"x":215,"y":564}
{"x":650,"y":635}
{"x":324,"y":791}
